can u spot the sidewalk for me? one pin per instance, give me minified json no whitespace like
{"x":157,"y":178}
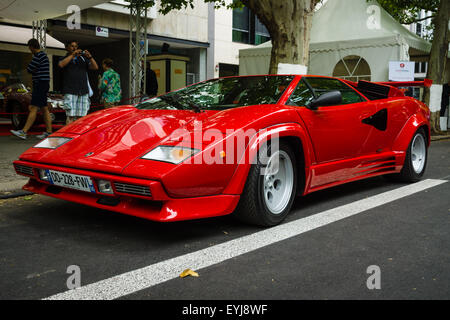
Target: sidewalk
{"x":12,"y":147}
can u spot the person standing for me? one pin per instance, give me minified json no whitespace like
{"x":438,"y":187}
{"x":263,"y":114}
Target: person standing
{"x":151,"y":86}
{"x":109,"y":85}
{"x":39,"y":67}
{"x":75,"y":87}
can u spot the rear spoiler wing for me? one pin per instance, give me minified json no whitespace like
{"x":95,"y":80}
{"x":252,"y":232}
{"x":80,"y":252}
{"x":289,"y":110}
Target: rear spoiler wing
{"x":383,"y":90}
{"x":426,"y":83}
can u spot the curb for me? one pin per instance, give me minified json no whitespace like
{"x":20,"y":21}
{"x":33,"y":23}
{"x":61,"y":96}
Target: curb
{"x":13,"y":189}
{"x":437,"y":138}
{"x":15,"y":195}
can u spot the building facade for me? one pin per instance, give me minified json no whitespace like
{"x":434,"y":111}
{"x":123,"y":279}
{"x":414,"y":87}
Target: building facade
{"x":424,"y":30}
{"x":208,"y":40}
{"x":233,"y":30}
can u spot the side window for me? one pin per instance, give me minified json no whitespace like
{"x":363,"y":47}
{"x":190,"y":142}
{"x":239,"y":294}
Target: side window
{"x":301,"y":95}
{"x":324,"y":85}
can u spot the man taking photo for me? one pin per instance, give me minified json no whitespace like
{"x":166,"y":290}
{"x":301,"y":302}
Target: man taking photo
{"x":75,"y":88}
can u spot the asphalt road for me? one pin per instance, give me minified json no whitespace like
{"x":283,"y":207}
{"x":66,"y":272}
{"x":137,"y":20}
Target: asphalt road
{"x":407,"y":239}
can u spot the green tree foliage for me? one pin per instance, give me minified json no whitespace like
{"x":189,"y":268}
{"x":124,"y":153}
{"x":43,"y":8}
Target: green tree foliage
{"x":168,"y":5}
{"x":288,"y":22}
{"x":407,"y":11}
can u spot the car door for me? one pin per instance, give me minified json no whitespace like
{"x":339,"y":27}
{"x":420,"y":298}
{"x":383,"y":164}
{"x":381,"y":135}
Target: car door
{"x":391,"y":116}
{"x":337,"y":132}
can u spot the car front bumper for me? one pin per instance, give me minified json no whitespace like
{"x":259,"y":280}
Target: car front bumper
{"x":157,"y":206}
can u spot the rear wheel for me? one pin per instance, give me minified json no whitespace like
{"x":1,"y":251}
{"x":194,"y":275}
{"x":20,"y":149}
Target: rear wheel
{"x":270,"y":188}
{"x":416,"y":159}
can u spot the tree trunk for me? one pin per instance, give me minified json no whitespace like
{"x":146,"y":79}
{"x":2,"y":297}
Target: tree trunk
{"x":289,"y":24}
{"x":437,"y":62}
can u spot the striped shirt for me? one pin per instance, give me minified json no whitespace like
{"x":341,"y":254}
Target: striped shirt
{"x":39,"y":67}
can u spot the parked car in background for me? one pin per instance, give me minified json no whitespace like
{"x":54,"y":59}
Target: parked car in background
{"x":14,"y":102}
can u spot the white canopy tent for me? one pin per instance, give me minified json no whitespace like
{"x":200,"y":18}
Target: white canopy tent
{"x":26,"y":10}
{"x":20,"y":35}
{"x":358,"y":30}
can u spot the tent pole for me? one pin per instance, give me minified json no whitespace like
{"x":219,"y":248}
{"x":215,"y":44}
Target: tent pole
{"x":137,"y":44}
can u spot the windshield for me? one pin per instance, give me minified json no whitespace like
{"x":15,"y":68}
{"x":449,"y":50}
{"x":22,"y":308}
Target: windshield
{"x":223,"y":93}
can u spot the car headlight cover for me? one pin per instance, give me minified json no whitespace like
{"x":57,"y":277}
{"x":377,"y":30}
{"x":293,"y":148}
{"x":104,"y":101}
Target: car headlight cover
{"x":52,"y":142}
{"x":172,"y":154}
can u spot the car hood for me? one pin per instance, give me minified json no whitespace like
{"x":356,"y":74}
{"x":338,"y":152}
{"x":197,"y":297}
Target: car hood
{"x":109,"y":140}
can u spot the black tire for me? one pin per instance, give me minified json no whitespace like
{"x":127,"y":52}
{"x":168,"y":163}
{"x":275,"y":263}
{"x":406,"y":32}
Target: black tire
{"x":408,"y":173}
{"x":252,"y":207}
{"x":17,"y":120}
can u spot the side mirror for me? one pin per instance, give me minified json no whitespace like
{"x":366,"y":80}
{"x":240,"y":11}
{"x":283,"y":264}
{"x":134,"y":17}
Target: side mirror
{"x":331,"y":98}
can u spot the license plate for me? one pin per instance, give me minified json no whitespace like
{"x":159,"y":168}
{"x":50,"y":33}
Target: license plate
{"x":69,"y":180}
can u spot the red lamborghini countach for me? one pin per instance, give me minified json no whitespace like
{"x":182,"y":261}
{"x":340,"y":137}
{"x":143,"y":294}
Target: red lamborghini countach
{"x":242,"y":145}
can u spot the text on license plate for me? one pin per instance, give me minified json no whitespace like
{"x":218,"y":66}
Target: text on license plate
{"x":69,"y":180}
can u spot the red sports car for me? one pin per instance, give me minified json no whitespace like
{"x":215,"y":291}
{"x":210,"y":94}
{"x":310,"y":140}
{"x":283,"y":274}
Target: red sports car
{"x":241,"y":145}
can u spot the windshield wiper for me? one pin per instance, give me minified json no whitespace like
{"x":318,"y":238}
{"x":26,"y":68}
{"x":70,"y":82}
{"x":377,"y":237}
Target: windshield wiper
{"x":194,"y":107}
{"x":174,"y":99}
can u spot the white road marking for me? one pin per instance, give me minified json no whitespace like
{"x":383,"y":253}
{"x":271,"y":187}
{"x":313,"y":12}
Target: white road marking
{"x":160,"y":272}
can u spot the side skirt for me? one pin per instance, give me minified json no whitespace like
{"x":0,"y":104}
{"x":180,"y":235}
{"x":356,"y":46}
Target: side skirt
{"x":339,"y":172}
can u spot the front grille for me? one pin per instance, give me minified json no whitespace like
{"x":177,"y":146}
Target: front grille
{"x":24,"y":169}
{"x":133,"y":189}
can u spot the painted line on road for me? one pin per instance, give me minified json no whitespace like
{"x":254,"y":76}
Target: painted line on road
{"x":144,"y":278}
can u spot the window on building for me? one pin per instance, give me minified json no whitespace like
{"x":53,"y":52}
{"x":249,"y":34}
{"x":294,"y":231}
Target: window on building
{"x":241,"y":25}
{"x":419,"y":29}
{"x":353,"y":68}
{"x":423,"y":67}
{"x":247,"y":28}
{"x":261,"y":33}
{"x":420,"y":67}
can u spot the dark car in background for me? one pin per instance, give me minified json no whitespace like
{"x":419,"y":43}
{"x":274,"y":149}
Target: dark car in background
{"x":14,"y":102}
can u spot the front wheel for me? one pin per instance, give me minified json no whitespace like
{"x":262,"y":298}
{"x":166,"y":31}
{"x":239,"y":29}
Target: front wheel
{"x":270,"y":188}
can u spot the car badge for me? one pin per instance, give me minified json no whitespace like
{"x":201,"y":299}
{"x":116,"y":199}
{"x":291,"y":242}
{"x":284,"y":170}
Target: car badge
{"x":89,"y":154}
